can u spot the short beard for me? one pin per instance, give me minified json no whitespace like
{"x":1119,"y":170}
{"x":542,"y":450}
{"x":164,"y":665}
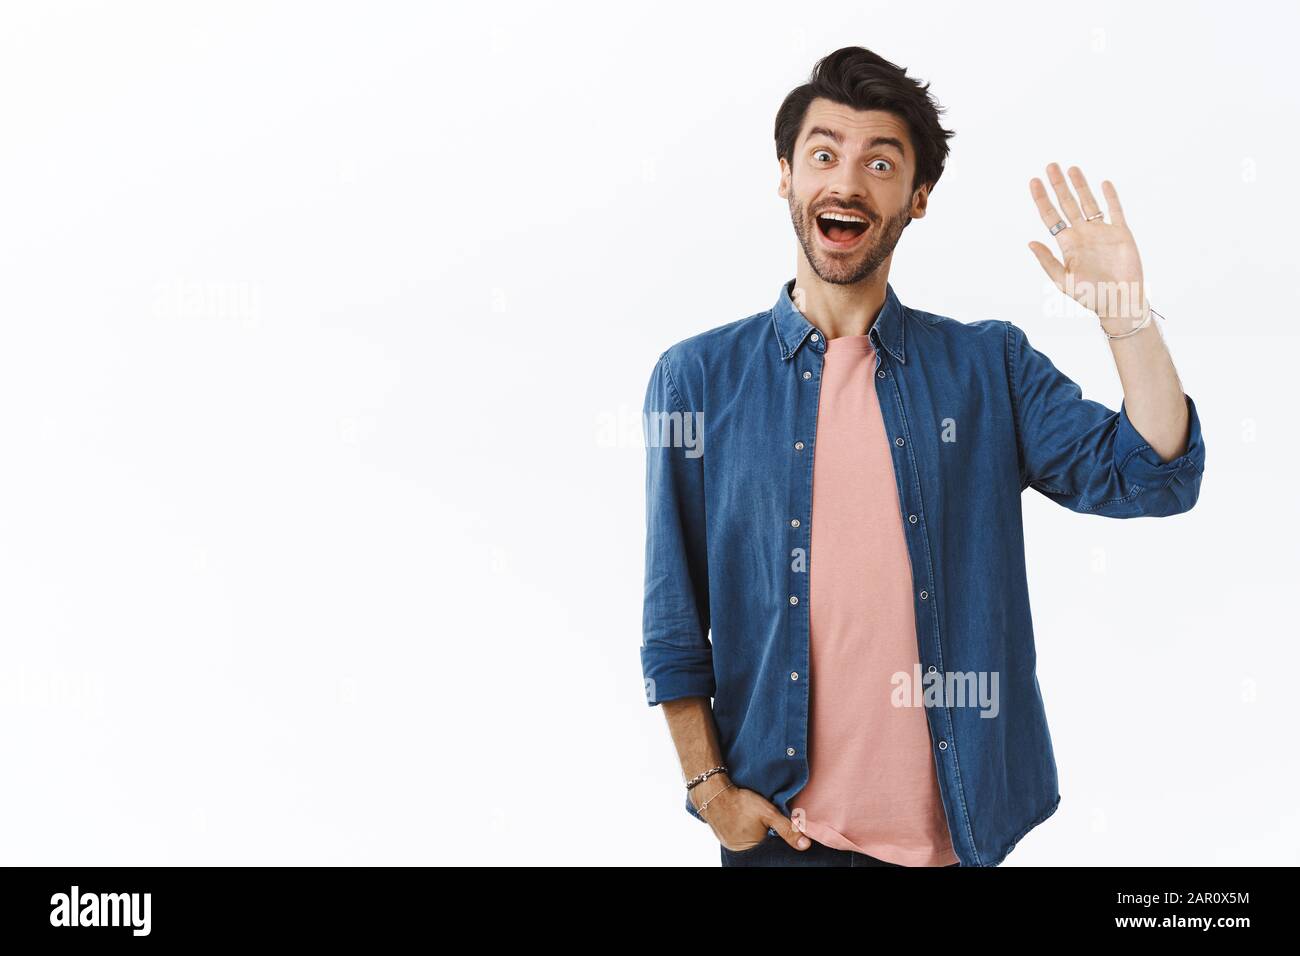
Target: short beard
{"x":842,"y":271}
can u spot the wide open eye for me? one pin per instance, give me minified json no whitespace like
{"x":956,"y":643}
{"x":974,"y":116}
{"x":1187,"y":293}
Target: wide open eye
{"x":824,"y":152}
{"x":887,"y":163}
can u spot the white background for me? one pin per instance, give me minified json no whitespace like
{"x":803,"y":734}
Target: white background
{"x":326,"y":329}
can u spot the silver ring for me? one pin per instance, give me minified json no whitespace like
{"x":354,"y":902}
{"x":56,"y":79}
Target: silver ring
{"x":1100,"y":215}
{"x":1062,"y":224}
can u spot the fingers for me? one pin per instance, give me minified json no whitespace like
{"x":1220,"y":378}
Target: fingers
{"x":1046,"y":211}
{"x":1086,"y":200}
{"x":1071,"y":208}
{"x":1112,"y":202}
{"x":1073,"y":214}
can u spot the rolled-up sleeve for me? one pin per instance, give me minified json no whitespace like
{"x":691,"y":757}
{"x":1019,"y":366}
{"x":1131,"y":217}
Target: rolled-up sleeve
{"x":1088,"y":457}
{"x":676,"y":654}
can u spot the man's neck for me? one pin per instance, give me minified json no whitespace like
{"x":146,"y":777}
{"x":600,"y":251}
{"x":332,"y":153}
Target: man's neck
{"x":839,"y":310}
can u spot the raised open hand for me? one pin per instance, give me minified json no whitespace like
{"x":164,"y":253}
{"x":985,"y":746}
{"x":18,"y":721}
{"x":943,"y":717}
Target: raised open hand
{"x":1101,"y":269}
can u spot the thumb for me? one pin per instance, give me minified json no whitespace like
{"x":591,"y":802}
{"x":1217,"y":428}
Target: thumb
{"x":1051,"y":265}
{"x":786,"y":830}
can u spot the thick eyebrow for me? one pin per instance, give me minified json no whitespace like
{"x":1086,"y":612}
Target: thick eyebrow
{"x":875,"y":141}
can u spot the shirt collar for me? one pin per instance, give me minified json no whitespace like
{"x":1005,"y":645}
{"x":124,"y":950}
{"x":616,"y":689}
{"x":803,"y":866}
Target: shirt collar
{"x":793,"y":328}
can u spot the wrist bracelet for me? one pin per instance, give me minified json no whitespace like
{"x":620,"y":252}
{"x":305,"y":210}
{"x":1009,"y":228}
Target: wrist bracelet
{"x":1145,"y":323}
{"x":705,"y":804}
{"x":700,"y":778}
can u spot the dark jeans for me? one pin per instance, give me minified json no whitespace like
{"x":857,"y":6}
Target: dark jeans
{"x":774,"y":851}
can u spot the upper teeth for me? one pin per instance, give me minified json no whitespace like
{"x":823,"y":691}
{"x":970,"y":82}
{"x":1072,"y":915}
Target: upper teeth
{"x":842,"y":217}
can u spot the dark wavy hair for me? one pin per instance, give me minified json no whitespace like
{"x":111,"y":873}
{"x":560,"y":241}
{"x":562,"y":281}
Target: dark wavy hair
{"x":856,"y":77}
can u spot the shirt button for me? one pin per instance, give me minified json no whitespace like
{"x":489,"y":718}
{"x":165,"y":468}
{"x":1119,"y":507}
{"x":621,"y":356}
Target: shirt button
{"x":798,"y":446}
{"x":943,"y":745}
{"x":794,"y":675}
{"x":931,"y":668}
{"x":793,"y":599}
{"x":912,"y":518}
{"x":814,"y":336}
{"x":789,"y":751}
{"x":880,"y":374}
{"x":898,"y":441}
{"x":807,"y":375}
{"x":794,"y":522}
{"x":924,"y":595}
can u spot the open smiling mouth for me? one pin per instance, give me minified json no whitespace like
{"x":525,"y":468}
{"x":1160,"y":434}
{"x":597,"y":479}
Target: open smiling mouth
{"x":841,"y":231}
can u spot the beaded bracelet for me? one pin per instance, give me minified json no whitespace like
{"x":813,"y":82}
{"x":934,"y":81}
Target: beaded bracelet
{"x":700,"y":778}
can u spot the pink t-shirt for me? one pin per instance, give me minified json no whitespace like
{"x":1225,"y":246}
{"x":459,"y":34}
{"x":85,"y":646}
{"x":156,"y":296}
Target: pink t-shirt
{"x":872,"y":785}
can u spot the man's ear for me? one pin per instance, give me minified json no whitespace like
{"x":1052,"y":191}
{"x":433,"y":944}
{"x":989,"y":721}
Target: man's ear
{"x":783,"y":187}
{"x":919,"y":200}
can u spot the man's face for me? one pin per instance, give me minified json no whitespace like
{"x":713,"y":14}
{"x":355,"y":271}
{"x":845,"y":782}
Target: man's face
{"x":857,"y":163}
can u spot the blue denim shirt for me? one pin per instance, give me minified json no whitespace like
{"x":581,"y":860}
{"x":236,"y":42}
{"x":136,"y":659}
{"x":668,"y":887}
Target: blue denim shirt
{"x":975,"y":415}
